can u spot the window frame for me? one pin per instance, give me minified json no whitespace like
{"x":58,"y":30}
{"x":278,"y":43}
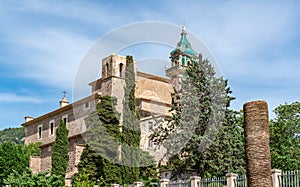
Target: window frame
{"x":51,"y":128}
{"x":65,"y":117}
{"x":40,"y":133}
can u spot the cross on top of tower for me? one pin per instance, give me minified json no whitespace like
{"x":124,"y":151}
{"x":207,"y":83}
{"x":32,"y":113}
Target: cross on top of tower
{"x":64,"y":92}
{"x":183,"y":28}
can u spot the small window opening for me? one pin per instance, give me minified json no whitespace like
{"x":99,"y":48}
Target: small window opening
{"x":121,"y":70}
{"x":40,"y":132}
{"x":51,"y":128}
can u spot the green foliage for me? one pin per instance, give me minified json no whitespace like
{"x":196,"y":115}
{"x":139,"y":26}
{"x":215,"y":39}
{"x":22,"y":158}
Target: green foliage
{"x":99,"y":158}
{"x":228,"y":147}
{"x":60,"y":152}
{"x":26,"y":178}
{"x":285,"y":137}
{"x":15,"y":157}
{"x":93,"y":167}
{"x":130,"y":137}
{"x":15,"y":135}
{"x":12,"y":157}
{"x":32,"y":149}
{"x":200,"y":113}
{"x":82,"y":179}
{"x":150,"y":181}
{"x":103,"y":132}
{"x":88,"y":167}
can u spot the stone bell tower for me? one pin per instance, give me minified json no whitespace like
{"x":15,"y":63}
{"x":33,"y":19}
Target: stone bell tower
{"x":181,"y":57}
{"x":112,"y":82}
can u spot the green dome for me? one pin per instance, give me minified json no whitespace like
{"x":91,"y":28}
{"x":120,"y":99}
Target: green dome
{"x":184,"y":46}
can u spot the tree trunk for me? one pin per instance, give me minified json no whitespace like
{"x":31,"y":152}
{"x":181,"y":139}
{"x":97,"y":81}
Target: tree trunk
{"x":257,"y":145}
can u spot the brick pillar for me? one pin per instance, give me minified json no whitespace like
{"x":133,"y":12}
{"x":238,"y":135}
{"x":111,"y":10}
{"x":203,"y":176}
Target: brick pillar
{"x":257,"y":146}
{"x":164,"y":182}
{"x":195,"y":180}
{"x":231,"y":179}
{"x":138,"y":184}
{"x":276,"y":173}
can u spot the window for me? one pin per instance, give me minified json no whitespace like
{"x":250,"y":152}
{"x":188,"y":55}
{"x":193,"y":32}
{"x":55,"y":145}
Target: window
{"x":40,"y":129}
{"x":150,"y":144}
{"x":51,"y":128}
{"x":106,"y":70}
{"x":65,"y":119}
{"x":121,"y":70}
{"x":87,"y":105}
{"x":150,"y":126}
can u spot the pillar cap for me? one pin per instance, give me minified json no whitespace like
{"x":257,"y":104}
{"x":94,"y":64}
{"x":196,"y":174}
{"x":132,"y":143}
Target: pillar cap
{"x":231,"y":175}
{"x":164,"y":180}
{"x":195,"y":177}
{"x":275,"y":170}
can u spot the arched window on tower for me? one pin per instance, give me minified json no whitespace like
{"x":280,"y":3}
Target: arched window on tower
{"x":176,"y":63}
{"x":121,"y":70}
{"x":188,"y":63}
{"x":106,"y":70}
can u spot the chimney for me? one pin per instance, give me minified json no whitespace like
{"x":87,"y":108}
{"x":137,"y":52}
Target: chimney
{"x":28,"y":118}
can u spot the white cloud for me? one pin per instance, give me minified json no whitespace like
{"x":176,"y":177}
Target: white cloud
{"x":14,"y":98}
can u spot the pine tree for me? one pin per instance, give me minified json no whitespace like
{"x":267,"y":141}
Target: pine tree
{"x":201,"y":123}
{"x":60,"y":152}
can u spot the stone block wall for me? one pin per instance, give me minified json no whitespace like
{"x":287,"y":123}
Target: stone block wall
{"x":35,"y":164}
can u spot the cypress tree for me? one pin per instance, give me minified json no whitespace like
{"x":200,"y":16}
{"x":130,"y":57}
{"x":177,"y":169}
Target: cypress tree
{"x":100,"y":157}
{"x":60,"y":152}
{"x":131,"y":133}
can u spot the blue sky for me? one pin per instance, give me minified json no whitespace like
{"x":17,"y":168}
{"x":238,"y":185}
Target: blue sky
{"x":256,"y":44}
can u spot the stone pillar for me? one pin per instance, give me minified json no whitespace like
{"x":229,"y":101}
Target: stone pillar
{"x":164,"y":182}
{"x":115,"y":185}
{"x":195,"y":180}
{"x":276,"y":173}
{"x":257,"y":145}
{"x":138,"y":184}
{"x":231,"y":179}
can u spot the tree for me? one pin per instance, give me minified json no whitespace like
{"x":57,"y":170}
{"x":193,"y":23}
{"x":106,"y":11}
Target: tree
{"x":201,"y":134}
{"x":105,"y":138}
{"x":228,"y":147}
{"x":101,"y":155}
{"x":26,"y":178}
{"x":14,"y":157}
{"x":60,"y":152}
{"x":285,"y":137}
{"x":131,"y":136}
{"x":15,"y":135}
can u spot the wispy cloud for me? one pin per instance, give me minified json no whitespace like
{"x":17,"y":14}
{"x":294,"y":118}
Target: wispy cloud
{"x":14,"y":98}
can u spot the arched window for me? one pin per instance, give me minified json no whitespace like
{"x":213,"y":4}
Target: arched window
{"x":188,"y":63}
{"x":121,"y":70}
{"x":106,"y":70}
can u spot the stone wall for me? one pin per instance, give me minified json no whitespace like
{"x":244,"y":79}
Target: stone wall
{"x":75,"y":115}
{"x":35,"y":164}
{"x":147,"y":126}
{"x":153,"y":88}
{"x":46,"y":153}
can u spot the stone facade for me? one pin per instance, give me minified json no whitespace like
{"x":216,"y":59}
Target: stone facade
{"x":153,"y":97}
